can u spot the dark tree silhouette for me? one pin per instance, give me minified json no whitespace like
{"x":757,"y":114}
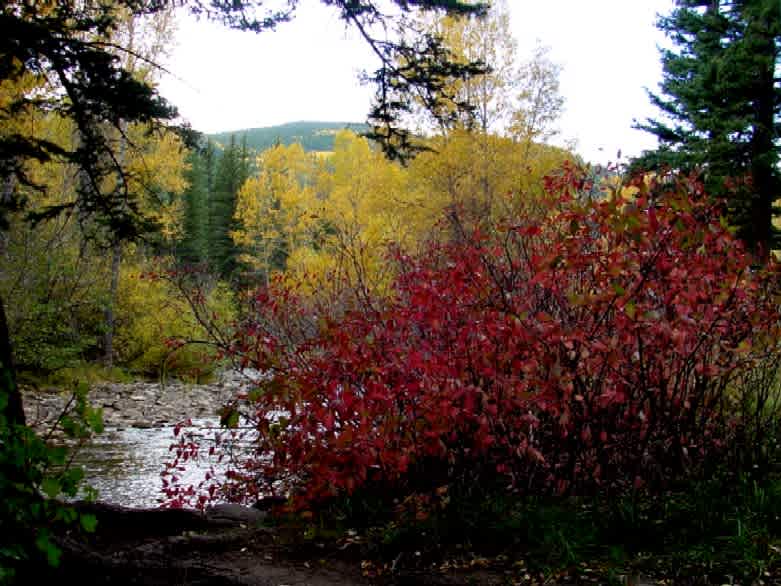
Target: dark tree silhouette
{"x":721,"y":101}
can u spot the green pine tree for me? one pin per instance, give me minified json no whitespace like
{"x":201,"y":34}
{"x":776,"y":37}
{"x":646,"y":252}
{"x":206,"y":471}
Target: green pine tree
{"x":194,"y":247}
{"x":232,"y":170}
{"x":720,"y":103}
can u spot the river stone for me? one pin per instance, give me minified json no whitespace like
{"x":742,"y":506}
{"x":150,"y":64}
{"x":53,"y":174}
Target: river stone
{"x":234,"y":512}
{"x":140,"y":404}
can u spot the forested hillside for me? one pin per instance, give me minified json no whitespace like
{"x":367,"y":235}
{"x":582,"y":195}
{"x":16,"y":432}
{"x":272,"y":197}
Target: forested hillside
{"x":313,"y":136}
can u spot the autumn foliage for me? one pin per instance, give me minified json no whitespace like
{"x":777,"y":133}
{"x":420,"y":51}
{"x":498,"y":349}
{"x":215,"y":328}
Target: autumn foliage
{"x":601,"y":350}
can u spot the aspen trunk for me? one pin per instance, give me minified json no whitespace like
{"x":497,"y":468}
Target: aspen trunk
{"x":108,"y":338}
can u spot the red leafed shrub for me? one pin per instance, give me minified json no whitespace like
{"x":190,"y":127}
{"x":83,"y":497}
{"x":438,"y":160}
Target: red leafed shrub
{"x":598,"y":350}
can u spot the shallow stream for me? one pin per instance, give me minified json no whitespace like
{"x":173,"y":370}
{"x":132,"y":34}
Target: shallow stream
{"x":124,"y":465}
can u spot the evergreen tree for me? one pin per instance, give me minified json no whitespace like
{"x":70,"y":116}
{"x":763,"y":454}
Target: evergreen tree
{"x":233,"y":169}
{"x":720,"y":102}
{"x":210,"y":164}
{"x":195,"y":245}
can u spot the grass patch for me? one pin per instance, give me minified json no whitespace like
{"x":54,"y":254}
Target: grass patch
{"x":84,"y":372}
{"x":95,"y":373}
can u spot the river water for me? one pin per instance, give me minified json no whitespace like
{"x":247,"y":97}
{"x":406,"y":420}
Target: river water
{"x":125,"y":465}
{"x":125,"y":462}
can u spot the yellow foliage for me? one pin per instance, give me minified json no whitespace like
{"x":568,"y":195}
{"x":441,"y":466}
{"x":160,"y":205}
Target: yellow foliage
{"x":332,"y":218}
{"x":479,"y":179}
{"x":614,"y":187}
{"x":487,"y":40}
{"x":150,"y":311}
{"x":152,"y":164}
{"x":277,"y":208}
{"x":359,"y":211}
{"x":156,"y":166}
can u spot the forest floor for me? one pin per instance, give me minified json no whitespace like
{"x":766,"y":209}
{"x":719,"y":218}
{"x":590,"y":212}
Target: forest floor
{"x":184,"y":547}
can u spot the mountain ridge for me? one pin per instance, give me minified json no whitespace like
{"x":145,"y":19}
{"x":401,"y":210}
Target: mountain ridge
{"x":311,"y":134}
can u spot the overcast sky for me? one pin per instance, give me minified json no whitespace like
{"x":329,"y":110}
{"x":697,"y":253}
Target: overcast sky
{"x":308,"y":69}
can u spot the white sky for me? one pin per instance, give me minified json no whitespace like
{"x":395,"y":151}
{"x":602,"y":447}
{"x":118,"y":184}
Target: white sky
{"x":308,"y":70}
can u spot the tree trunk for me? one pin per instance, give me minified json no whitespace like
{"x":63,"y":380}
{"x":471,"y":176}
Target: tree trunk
{"x":116,"y":257}
{"x":13,"y":409}
{"x":763,"y":151}
{"x":108,"y":338}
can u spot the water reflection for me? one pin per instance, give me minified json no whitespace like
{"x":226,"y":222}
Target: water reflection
{"x":124,"y":465}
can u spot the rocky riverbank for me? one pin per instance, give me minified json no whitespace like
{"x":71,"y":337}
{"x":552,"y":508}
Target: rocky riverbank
{"x":138,"y":404}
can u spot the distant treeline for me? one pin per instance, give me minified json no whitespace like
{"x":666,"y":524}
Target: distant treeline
{"x":313,"y":136}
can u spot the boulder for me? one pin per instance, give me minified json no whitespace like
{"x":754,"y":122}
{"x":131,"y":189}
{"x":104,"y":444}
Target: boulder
{"x":236,"y":513}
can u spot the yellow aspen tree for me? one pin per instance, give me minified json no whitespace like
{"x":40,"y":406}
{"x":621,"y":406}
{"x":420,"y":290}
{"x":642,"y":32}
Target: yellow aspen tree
{"x":538,"y":102}
{"x":139,"y":42}
{"x":277,"y":208}
{"x":475,"y":180}
{"x":487,"y":39}
{"x":360,"y":209}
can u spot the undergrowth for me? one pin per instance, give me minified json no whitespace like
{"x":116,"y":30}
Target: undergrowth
{"x":719,"y":531}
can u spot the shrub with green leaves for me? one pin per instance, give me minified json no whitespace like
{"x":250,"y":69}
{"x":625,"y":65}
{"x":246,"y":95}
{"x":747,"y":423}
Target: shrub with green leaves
{"x":34,"y":475}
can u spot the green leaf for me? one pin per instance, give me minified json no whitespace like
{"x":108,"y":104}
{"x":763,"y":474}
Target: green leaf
{"x":629,"y":309}
{"x":51,"y":487}
{"x":44,"y":544}
{"x":619,"y":290}
{"x":69,"y":426}
{"x":71,"y":479}
{"x":57,"y":455}
{"x":53,"y":555}
{"x":229,"y":417}
{"x":67,"y":514}
{"x":13,"y":552}
{"x":94,"y":418}
{"x":82,"y":388}
{"x":88,"y":523}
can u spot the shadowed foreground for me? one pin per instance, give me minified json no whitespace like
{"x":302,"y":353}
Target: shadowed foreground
{"x":153,"y":546}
